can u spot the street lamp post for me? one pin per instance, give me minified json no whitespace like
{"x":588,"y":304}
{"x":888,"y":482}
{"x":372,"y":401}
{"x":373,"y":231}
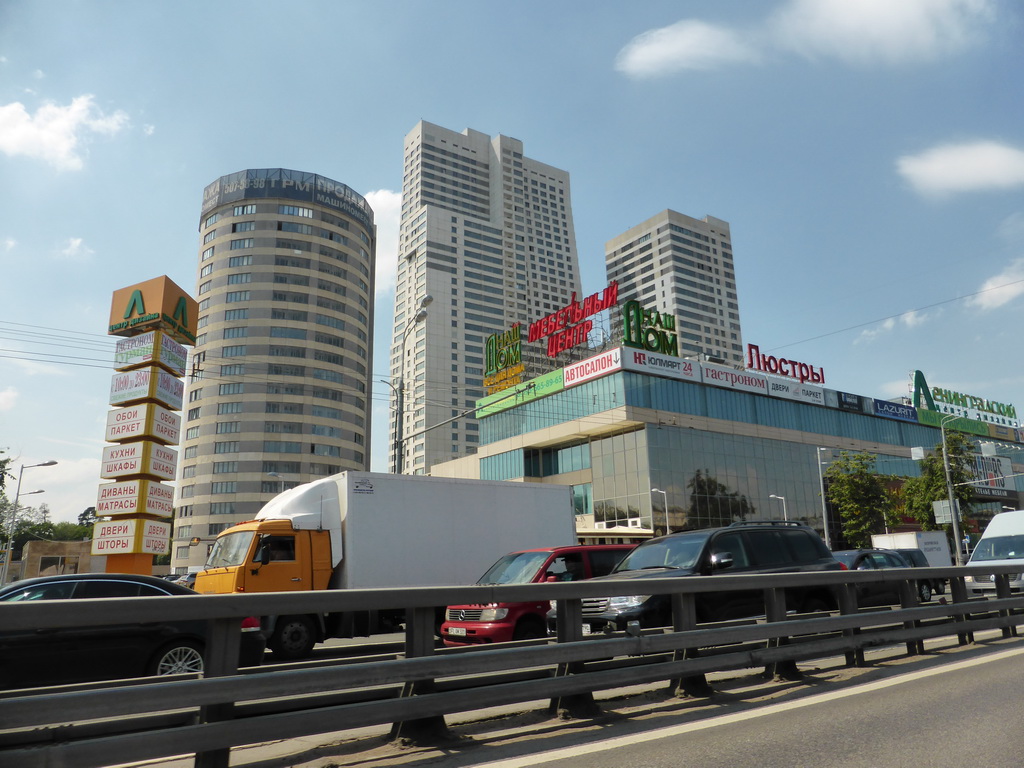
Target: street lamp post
{"x":14,"y":516}
{"x":399,"y":447}
{"x":783,"y":500}
{"x":664,"y":498}
{"x":280,"y":480}
{"x":824,"y":505}
{"x":954,"y":509}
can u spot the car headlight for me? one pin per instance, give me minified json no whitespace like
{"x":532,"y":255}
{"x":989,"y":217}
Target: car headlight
{"x":493,"y":614}
{"x":622,"y":602}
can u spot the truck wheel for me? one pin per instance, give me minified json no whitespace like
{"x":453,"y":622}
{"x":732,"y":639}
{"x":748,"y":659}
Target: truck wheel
{"x":924,"y":591}
{"x":293,"y":638}
{"x":529,"y":630}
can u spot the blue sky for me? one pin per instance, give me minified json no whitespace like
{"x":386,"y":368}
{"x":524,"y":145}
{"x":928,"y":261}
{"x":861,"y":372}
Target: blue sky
{"x":868,"y":155}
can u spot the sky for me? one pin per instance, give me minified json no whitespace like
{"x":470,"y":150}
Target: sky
{"x":868,"y":155}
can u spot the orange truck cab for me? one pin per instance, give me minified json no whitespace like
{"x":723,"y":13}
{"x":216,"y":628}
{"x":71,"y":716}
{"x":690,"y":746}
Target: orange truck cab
{"x":501,"y":622}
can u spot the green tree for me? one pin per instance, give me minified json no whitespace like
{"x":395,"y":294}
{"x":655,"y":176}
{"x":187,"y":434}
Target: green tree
{"x":713,"y":504}
{"x":861,"y":496}
{"x":4,"y":464}
{"x":930,"y":486}
{"x":88,"y":517}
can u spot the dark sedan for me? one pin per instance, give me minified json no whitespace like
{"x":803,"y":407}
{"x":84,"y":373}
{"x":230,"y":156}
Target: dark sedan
{"x":881,"y":592}
{"x":83,"y":654}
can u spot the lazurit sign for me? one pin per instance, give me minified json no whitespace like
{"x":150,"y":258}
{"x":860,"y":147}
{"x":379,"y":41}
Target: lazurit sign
{"x":134,"y":497}
{"x":143,"y":420}
{"x":153,"y":348}
{"x":140,"y":459}
{"x":147,"y":384}
{"x":127,"y":537}
{"x":156,"y":304}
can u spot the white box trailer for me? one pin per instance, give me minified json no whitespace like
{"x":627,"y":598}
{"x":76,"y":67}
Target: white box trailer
{"x":932,"y":543}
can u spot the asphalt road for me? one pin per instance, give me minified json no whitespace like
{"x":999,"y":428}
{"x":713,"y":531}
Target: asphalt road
{"x":961,"y":714}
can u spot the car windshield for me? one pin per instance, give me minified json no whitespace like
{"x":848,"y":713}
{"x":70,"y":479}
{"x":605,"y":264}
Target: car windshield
{"x":999,"y":548}
{"x":515,"y":568}
{"x":230,"y":549}
{"x":669,"y":552}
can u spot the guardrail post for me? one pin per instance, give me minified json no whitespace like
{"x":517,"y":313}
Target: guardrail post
{"x":569,"y":629}
{"x":221,"y":658}
{"x":684,"y":618}
{"x":775,"y":610}
{"x":958,"y":593}
{"x":909,"y":599}
{"x":847,"y":597}
{"x":419,"y":641}
{"x":1002,"y":581}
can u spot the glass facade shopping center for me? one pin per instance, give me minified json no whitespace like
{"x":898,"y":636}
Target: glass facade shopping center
{"x":634,"y":432}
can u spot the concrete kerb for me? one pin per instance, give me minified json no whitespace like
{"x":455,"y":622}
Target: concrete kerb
{"x":531,"y":727}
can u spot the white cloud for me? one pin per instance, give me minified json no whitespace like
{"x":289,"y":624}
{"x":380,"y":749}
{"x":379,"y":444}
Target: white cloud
{"x":8,"y":243}
{"x":1000,"y":289}
{"x":911,"y":319}
{"x":8,"y":398}
{"x":387,"y":207}
{"x":38,"y":74}
{"x":55,"y":133}
{"x":684,"y":45}
{"x":148,"y":130}
{"x":76,"y":250}
{"x":880,"y":31}
{"x":859,"y":32}
{"x":969,"y":167}
{"x":1011,"y":229}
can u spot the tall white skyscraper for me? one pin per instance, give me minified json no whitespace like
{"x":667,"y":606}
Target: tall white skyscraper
{"x":488,"y":235}
{"x":683,"y":266}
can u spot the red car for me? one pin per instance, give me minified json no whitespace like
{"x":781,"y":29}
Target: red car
{"x":501,"y":622}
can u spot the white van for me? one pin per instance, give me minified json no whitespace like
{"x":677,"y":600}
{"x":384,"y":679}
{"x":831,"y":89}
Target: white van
{"x":1002,"y":543}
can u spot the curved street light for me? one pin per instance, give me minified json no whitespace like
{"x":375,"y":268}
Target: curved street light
{"x":14,"y":516}
{"x":783,"y":500}
{"x":664,"y":497}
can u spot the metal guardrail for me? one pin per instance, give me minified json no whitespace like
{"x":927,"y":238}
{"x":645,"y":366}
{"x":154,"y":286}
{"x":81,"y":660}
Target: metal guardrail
{"x":89,"y":726}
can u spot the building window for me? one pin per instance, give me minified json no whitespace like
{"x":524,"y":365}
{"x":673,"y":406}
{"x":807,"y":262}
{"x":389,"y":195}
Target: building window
{"x":231,"y":389}
{"x":225,"y":467}
{"x":204,"y":288}
{"x":211,"y":220}
{"x":228,"y":427}
{"x":233,"y":351}
{"x":222,"y":508}
{"x":223,"y":408}
{"x":240,"y":261}
{"x":238,"y":279}
{"x":228,"y":486}
{"x":243,"y":226}
{"x":244,"y":242}
{"x":244,"y":210}
{"x":294,"y":210}
{"x":228,"y":447}
{"x":192,"y":433}
{"x":234,"y":296}
{"x":236,"y":333}
{"x":236,"y":314}
{"x":208,"y":253}
{"x":205,"y":271}
{"x":232,"y":370}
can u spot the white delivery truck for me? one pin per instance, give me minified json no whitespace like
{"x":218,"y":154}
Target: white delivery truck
{"x":1002,"y":543}
{"x":374,"y":530}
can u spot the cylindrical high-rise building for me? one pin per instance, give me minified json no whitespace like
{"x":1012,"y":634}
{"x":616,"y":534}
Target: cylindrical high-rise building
{"x":279,"y":382}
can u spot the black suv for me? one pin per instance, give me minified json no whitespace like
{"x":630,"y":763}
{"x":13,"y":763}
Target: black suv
{"x":741,"y":548}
